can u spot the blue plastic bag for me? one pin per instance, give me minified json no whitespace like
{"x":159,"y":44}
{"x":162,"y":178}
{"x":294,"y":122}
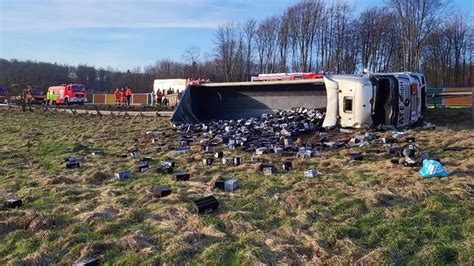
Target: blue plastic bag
{"x":432,"y":168}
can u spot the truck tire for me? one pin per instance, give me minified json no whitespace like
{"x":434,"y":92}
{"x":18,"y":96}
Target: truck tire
{"x":66,"y":101}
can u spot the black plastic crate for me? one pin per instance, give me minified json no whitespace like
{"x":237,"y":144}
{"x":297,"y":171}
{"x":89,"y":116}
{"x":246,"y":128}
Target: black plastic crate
{"x":163,"y":169}
{"x":287,"y":166}
{"x":220,"y":183}
{"x":168,"y":163}
{"x":208,"y":161}
{"x":163,"y":191}
{"x":73,"y":162}
{"x":143,"y":166}
{"x":134,"y":153}
{"x":265,"y":165}
{"x":356,"y":156}
{"x":182,"y":176}
{"x":237,"y":160}
{"x":219,"y":155}
{"x":123,"y":174}
{"x":12,"y":203}
{"x":206,"y":205}
{"x":270,"y":170}
{"x":88,"y":262}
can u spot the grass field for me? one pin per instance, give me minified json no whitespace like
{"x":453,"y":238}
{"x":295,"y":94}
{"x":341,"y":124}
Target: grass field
{"x":369,"y":211}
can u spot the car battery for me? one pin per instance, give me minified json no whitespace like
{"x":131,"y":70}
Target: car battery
{"x":73,"y":162}
{"x":12,"y":203}
{"x":220,"y":183}
{"x":261,"y":150}
{"x":356,"y":156}
{"x":183,"y":176}
{"x":208,"y":149}
{"x":208,"y":161}
{"x":310,"y":173}
{"x":227,"y":160}
{"x":287,"y":166}
{"x":163,"y":169}
{"x":389,"y":140}
{"x":225,"y":139}
{"x":143,"y":166}
{"x":263,"y":165}
{"x":410,"y":163}
{"x":88,"y":262}
{"x":269,"y":170}
{"x":181,"y":150}
{"x":155,"y":134}
{"x":219,"y":155}
{"x":168,"y":163}
{"x":255,"y":159}
{"x":237,"y":160}
{"x":245,"y":145}
{"x":206,"y":205}
{"x":163,"y":191}
{"x":238,"y":141}
{"x":123,"y":174}
{"x":98,"y":154}
{"x":278,"y":150}
{"x":410,"y":150}
{"x":205,"y":142}
{"x":287,"y":141}
{"x":305,"y":154}
{"x":231,"y":184}
{"x":134,"y":153}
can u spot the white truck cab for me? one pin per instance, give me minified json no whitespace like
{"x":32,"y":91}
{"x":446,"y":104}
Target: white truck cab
{"x":399,"y":98}
{"x":355,"y":97}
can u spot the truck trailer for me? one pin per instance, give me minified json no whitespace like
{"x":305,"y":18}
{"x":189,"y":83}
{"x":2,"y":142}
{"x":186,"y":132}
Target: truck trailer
{"x":356,"y":101}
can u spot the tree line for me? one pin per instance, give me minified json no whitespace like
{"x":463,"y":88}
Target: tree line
{"x":426,"y":36}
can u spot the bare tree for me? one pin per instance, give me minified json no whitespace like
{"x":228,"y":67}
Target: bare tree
{"x":417,"y":19}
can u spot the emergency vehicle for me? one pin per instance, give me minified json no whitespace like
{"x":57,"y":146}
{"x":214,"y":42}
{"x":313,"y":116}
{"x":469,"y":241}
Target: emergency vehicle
{"x":3,"y":95}
{"x":70,"y":93}
{"x":38,"y":95}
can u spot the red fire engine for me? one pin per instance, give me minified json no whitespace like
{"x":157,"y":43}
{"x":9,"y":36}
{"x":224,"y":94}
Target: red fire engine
{"x":71,"y":93}
{"x":287,"y":76}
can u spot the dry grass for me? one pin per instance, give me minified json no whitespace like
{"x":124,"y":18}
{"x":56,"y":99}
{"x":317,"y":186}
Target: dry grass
{"x":354,"y":212}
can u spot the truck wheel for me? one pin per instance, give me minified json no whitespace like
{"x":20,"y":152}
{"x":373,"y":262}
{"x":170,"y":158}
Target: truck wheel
{"x":66,"y":101}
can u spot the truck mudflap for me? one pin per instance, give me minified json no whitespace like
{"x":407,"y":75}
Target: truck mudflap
{"x":222,"y":101}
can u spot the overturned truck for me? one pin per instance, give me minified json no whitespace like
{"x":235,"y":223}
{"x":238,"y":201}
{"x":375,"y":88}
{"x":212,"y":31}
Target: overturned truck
{"x":357,"y":101}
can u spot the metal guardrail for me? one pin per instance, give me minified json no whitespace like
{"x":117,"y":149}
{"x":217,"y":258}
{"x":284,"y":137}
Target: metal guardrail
{"x":445,"y":95}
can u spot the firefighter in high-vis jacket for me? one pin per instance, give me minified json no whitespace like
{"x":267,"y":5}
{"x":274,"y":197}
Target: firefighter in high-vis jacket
{"x":48,"y":98}
{"x":53,"y":97}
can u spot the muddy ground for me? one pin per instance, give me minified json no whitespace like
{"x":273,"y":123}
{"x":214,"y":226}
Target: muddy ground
{"x":369,"y":211}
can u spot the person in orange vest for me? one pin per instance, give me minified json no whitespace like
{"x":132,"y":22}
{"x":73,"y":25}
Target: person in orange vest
{"x":117,"y":96}
{"x":128,"y":93}
{"x":124,"y":98}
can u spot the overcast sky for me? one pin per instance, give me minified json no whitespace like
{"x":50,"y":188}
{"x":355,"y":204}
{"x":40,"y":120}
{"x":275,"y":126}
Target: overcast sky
{"x":126,"y":33}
